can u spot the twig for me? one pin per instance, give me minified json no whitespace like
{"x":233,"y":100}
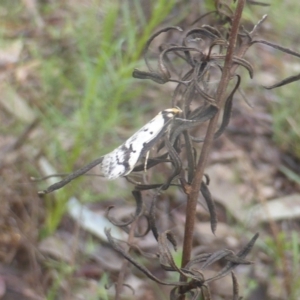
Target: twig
{"x":195,"y":186}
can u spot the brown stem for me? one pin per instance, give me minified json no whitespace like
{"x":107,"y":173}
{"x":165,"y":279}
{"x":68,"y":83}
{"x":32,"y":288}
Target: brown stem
{"x":196,"y":183}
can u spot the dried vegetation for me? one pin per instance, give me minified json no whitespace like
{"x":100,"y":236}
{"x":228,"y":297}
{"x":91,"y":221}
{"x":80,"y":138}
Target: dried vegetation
{"x":202,"y":64}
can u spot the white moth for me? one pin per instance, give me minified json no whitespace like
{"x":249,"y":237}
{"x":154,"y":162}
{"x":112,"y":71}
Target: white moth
{"x":122,"y":160}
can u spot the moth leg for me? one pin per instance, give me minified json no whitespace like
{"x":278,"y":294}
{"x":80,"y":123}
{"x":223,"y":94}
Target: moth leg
{"x":152,"y":162}
{"x":132,"y":181}
{"x":146,"y":161}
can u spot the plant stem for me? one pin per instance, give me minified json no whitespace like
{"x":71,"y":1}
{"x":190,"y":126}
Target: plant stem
{"x":196,"y":183}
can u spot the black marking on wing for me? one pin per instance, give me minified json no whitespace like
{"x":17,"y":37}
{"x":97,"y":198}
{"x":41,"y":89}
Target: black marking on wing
{"x":125,"y":158}
{"x":147,"y":146}
{"x":131,"y":149}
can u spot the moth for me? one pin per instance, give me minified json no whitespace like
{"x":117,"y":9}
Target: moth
{"x":122,"y":160}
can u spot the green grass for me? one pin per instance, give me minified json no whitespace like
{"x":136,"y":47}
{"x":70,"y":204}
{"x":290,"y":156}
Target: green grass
{"x":86,"y":91}
{"x":291,"y":247}
{"x":83,"y":91}
{"x":82,"y":88}
{"x":62,"y":271}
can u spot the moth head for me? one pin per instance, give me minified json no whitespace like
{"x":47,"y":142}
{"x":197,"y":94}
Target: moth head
{"x":171,"y":112}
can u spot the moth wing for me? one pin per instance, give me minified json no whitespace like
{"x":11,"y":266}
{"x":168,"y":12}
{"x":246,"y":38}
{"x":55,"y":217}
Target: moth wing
{"x":122,"y":160}
{"x":146,"y":134}
{"x":113,"y":165}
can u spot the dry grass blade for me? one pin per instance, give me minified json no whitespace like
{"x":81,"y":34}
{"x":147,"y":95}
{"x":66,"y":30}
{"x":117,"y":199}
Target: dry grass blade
{"x":283,"y":82}
{"x":230,"y":265}
{"x":211,"y":206}
{"x":235,"y":287}
{"x":138,"y":211}
{"x":121,"y":251}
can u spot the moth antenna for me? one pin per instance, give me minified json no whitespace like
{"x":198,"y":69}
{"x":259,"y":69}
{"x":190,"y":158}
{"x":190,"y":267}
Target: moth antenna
{"x":36,"y":179}
{"x":71,"y":176}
